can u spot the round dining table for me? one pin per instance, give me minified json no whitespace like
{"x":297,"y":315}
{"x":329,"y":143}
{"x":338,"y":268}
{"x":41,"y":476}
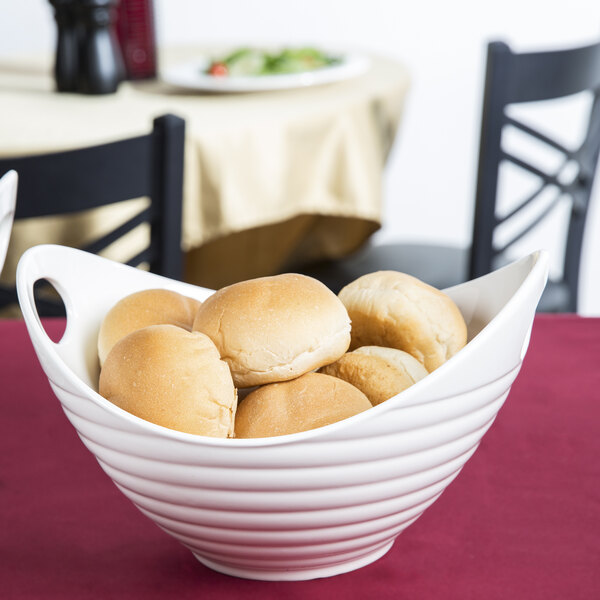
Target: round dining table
{"x":271,"y":178}
{"x":521,"y":521}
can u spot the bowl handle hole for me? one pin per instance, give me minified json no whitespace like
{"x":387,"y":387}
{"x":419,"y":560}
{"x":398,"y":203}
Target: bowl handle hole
{"x":49,"y":303}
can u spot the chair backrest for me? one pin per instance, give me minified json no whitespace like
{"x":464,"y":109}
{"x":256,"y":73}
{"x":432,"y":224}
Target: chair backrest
{"x":67,"y":182}
{"x":511,"y":79}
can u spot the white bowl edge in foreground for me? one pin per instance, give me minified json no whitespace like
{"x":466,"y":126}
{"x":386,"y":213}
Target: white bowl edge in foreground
{"x":8,"y":199}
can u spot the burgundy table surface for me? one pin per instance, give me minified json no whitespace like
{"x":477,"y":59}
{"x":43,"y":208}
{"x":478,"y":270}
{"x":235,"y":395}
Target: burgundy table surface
{"x":521,"y":521}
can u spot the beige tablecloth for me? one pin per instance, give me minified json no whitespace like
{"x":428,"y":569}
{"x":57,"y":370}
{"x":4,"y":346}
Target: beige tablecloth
{"x":271,"y":178}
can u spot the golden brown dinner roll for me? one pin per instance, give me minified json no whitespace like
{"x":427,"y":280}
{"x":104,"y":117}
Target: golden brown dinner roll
{"x":379,"y":373}
{"x":396,"y":310}
{"x":173,"y":378}
{"x":275,"y":328}
{"x":307,"y":402}
{"x":148,"y":307}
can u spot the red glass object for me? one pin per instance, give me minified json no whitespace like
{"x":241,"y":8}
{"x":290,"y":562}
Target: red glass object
{"x":137,"y":38}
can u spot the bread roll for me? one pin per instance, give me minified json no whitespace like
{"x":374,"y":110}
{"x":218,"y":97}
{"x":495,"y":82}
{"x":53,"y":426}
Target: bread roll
{"x":396,"y":310}
{"x":173,"y":378}
{"x":379,"y":373}
{"x":307,"y":402}
{"x":148,"y":307}
{"x":275,"y":328}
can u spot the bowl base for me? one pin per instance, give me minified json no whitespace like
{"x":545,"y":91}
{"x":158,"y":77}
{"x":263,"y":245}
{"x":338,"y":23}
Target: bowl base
{"x":296,"y":574}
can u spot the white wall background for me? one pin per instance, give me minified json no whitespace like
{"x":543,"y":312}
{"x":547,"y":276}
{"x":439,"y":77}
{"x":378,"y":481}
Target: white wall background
{"x":430,"y":177}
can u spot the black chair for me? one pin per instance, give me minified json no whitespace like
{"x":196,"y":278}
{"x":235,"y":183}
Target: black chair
{"x":510,"y":79}
{"x":68,"y":182}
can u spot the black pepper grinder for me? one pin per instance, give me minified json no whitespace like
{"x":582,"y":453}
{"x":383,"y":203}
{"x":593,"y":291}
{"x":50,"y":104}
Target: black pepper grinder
{"x":66,"y":64}
{"x":100,"y":62}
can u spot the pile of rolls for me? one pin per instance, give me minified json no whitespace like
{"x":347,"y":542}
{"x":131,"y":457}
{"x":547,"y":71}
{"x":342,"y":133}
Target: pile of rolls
{"x":299,"y":356}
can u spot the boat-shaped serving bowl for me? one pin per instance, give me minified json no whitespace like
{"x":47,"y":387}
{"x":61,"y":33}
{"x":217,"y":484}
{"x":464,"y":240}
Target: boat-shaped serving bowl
{"x":300,"y":506}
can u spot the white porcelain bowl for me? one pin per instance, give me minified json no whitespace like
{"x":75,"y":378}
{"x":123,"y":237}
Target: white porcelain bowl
{"x":8,"y":199}
{"x":300,"y":506}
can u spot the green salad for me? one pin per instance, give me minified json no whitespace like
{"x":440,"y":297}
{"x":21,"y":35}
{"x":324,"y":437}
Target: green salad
{"x":255,"y":62}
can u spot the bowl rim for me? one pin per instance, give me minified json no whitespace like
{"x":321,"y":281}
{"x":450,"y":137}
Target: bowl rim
{"x":539,"y":263}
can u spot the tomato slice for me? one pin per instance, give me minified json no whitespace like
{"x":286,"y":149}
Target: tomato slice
{"x":218,"y":69}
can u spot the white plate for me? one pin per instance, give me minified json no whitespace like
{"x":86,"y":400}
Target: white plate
{"x":191,"y":75}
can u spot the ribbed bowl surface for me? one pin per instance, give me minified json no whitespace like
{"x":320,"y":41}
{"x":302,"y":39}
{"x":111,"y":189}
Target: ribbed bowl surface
{"x":299,"y":506}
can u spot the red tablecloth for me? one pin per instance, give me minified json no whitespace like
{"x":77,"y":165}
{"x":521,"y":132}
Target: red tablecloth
{"x":521,"y":521}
